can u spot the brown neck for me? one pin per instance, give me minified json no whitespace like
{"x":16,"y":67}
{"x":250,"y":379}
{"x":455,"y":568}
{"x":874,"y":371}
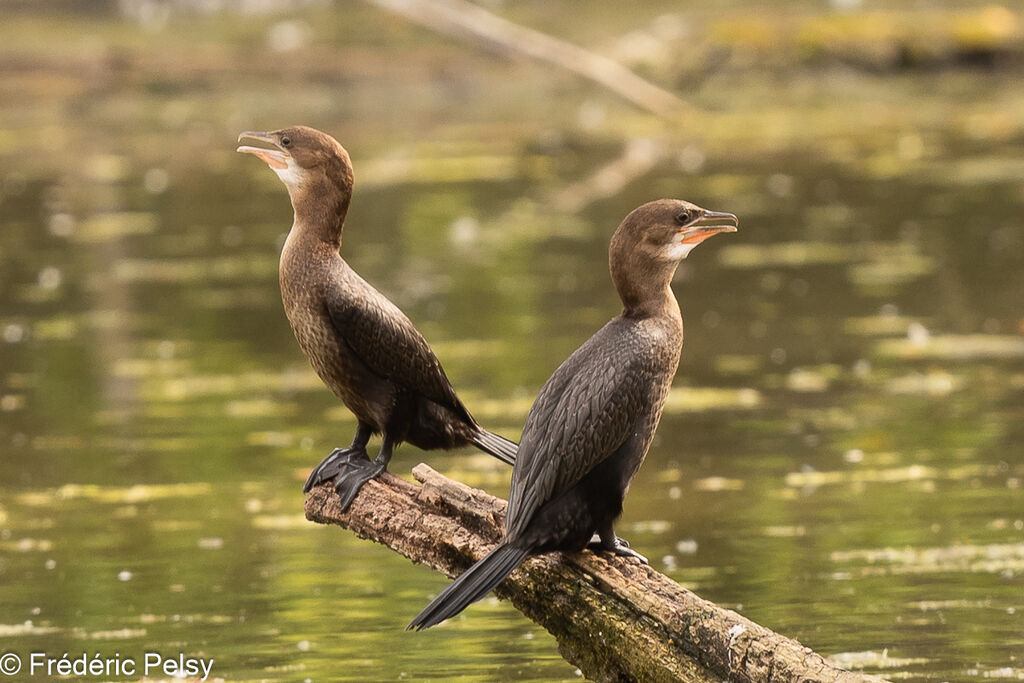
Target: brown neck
{"x":643,"y":284}
{"x":664,"y":304}
{"x":320,"y":204}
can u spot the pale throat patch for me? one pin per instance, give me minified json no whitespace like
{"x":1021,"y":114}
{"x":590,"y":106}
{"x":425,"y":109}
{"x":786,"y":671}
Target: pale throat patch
{"x":291,"y":175}
{"x":676,"y":250}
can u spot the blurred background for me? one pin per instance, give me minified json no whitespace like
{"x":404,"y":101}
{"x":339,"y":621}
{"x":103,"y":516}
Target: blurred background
{"x":842,"y":455}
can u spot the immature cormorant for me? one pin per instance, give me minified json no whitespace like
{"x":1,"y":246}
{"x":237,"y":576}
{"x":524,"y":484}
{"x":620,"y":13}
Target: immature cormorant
{"x":360,"y":344}
{"x":589,"y":429}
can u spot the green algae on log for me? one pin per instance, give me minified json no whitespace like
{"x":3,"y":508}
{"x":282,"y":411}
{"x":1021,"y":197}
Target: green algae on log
{"x":615,"y":619}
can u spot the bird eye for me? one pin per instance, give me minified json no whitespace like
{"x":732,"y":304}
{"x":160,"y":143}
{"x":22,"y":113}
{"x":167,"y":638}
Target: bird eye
{"x":684,"y":217}
{"x":286,"y":141}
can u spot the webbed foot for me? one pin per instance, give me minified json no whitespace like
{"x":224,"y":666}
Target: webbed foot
{"x":331,"y":466}
{"x":352,"y":478}
{"x":619,"y":546}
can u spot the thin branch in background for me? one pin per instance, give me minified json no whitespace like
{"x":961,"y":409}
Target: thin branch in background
{"x":465,"y":20}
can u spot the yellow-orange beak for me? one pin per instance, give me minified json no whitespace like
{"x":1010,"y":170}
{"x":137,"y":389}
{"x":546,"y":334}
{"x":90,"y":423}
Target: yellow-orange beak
{"x":275,"y":158}
{"x":707,"y":224}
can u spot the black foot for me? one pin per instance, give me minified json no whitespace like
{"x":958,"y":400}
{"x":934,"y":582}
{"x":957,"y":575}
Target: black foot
{"x":331,"y":466}
{"x":355,"y":474}
{"x":618,"y":547}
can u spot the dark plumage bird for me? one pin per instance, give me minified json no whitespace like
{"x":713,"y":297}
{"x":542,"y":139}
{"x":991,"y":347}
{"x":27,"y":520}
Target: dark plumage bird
{"x":360,"y":344}
{"x":592,"y":423}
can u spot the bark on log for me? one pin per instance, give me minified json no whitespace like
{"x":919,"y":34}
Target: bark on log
{"x":615,"y":619}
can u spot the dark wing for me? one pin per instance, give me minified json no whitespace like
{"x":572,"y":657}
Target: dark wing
{"x":584,"y":412}
{"x":387,"y":342}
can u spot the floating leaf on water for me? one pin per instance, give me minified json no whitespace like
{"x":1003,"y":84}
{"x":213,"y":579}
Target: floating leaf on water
{"x":976,"y":171}
{"x":936,"y":605}
{"x":982,"y":559}
{"x":873,"y":660}
{"x":510,"y":410}
{"x":699,"y":399}
{"x":111,"y":319}
{"x":26,"y":629}
{"x":1006,"y":672}
{"x":953,"y":347}
{"x":423,"y":169}
{"x":55,"y":329}
{"x":871,"y":476}
{"x":895,"y":269}
{"x":210,"y":543}
{"x":785,"y":531}
{"x":784,"y":255}
{"x":1003,"y":523}
{"x":669,"y":474}
{"x":105,"y":227}
{"x":651,"y":526}
{"x":877,"y":325}
{"x":241,"y":268}
{"x":110,"y":494}
{"x":173,"y":525}
{"x":470,"y":349}
{"x":57,"y":442}
{"x":28,"y":545}
{"x":734,"y":364}
{"x":807,"y":380}
{"x":259,"y":408}
{"x":113,"y":634}
{"x":932,"y":383}
{"x":106,"y":168}
{"x":270,"y":438}
{"x":137,"y":368}
{"x":12,"y":402}
{"x":718,"y":484}
{"x":686,"y":546}
{"x":125,"y":512}
{"x":280,"y":522}
{"x":192,"y":386}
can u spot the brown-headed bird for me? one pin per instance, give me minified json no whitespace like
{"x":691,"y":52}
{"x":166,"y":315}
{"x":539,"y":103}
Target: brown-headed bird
{"x":592,"y":423}
{"x":360,"y":344}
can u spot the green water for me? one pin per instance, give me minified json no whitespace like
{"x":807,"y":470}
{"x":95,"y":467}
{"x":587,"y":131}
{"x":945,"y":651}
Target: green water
{"x":842,"y":456}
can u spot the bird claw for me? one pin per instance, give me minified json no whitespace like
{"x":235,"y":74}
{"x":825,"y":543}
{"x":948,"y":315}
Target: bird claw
{"x":626,"y":551}
{"x":619,"y":546}
{"x":331,"y":466}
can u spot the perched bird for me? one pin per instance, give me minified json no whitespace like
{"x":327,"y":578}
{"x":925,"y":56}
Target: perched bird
{"x":360,"y":344}
{"x":592,"y":423}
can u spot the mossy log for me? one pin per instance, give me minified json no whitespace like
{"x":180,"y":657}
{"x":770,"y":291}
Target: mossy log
{"x":614,"y":618}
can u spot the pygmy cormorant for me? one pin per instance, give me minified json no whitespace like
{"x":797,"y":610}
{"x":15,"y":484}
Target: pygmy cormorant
{"x":592,"y":423}
{"x":360,"y":344}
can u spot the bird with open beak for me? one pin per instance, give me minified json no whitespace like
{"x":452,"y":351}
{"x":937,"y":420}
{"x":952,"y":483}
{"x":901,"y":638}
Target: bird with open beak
{"x":360,"y":344}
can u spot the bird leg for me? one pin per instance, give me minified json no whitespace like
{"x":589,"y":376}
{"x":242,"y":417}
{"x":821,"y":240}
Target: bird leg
{"x":605,"y":539}
{"x":340,"y":458}
{"x":359,"y":471}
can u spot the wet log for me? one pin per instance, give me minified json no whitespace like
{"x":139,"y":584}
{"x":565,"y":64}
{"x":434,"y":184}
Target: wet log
{"x":614,"y":618}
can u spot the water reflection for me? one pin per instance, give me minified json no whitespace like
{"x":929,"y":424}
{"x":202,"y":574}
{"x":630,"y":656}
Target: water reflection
{"x":840,"y":457}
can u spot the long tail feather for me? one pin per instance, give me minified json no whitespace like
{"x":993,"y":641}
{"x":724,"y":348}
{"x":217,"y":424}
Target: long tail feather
{"x":473,"y":584}
{"x":498,"y":446}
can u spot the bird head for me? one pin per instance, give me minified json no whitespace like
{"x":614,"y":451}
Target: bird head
{"x":651,"y":241}
{"x":314,"y":167}
{"x":669,"y":229}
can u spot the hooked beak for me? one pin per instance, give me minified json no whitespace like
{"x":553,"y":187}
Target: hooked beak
{"x":275,"y":158}
{"x":707,"y":224}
